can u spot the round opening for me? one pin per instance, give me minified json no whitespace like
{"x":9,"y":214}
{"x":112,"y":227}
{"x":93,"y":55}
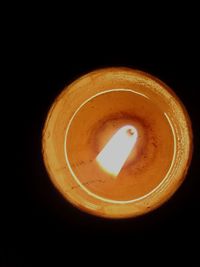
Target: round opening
{"x":117,"y":143}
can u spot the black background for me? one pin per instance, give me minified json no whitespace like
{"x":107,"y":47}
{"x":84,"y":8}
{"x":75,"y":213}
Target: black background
{"x":40,"y":226}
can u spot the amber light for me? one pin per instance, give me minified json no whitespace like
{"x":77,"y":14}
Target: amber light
{"x":117,"y":143}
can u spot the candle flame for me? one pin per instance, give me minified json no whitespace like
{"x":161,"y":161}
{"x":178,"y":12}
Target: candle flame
{"x":115,"y":153}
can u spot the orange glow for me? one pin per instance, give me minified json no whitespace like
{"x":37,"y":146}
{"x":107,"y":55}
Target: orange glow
{"x":117,"y":143}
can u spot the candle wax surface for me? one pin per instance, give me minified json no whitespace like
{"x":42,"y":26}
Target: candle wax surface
{"x":94,"y":125}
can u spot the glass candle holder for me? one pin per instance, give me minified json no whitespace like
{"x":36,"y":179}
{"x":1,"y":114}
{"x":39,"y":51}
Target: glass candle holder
{"x":117,"y":143}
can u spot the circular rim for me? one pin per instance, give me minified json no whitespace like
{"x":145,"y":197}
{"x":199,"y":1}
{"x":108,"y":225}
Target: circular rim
{"x":85,"y":188}
{"x":143,"y":204}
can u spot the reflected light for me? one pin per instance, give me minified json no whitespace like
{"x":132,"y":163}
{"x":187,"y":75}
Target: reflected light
{"x":115,"y":153}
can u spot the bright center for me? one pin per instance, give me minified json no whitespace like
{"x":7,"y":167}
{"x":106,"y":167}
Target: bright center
{"x":115,"y":153}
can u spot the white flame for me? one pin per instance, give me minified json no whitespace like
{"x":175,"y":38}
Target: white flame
{"x":115,"y":153}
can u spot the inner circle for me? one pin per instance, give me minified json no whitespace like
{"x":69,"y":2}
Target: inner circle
{"x":93,"y":126}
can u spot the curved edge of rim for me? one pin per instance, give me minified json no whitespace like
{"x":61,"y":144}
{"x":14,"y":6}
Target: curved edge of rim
{"x":145,"y":209}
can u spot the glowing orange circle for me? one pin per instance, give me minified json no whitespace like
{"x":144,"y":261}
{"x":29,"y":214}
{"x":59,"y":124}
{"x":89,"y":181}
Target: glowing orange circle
{"x":117,"y":142}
